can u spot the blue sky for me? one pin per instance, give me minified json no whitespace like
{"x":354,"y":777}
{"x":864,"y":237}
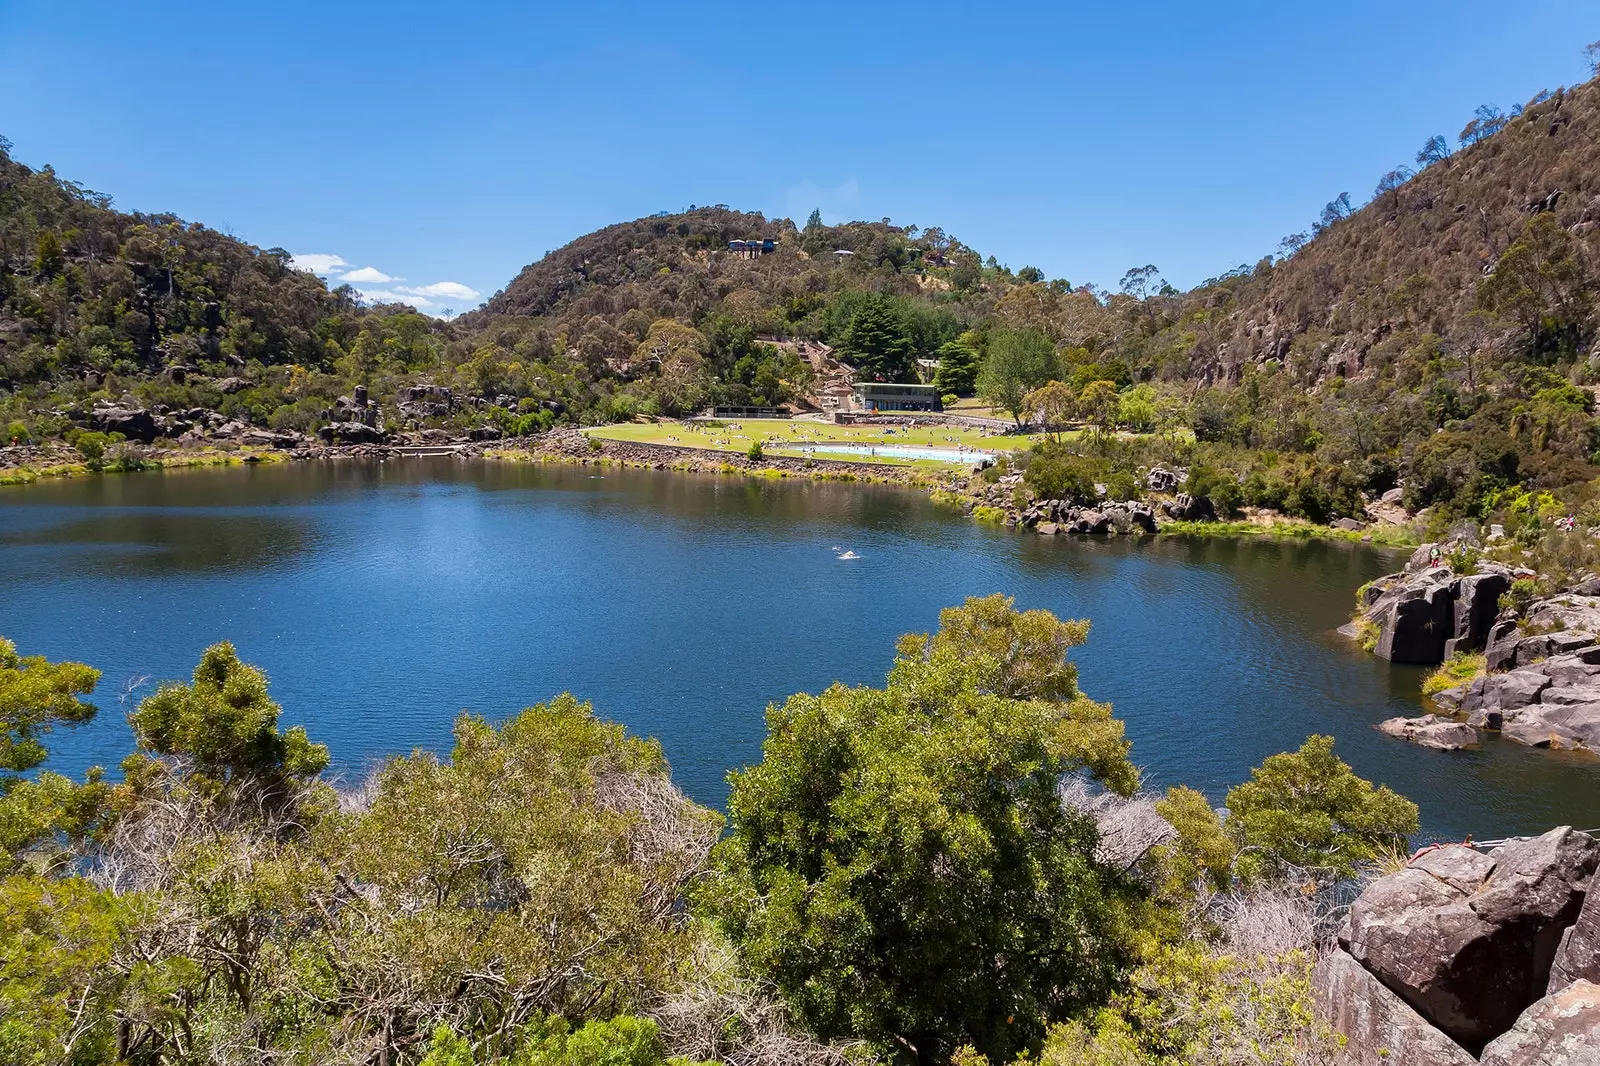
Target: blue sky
{"x":445,"y":146}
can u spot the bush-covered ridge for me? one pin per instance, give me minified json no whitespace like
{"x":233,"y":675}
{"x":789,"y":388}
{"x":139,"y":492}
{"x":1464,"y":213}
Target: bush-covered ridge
{"x":1438,"y":340}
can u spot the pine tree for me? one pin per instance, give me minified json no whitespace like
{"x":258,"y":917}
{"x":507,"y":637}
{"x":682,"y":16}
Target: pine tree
{"x":875,"y":342}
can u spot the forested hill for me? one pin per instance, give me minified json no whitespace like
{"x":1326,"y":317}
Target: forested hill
{"x":88,"y":289}
{"x":1441,"y":336}
{"x":1413,"y":261}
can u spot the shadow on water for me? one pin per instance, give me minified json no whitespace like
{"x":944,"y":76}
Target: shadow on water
{"x":382,"y":598}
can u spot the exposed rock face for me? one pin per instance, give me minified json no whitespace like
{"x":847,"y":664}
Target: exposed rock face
{"x":1578,"y":957}
{"x":1562,"y":1029}
{"x":1427,"y":613}
{"x":1187,"y":508}
{"x":133,"y":423}
{"x":1417,"y":625}
{"x":1467,"y":939}
{"x":1477,"y":603}
{"x":1379,"y":1027}
{"x":1160,"y":479}
{"x":1431,"y":731}
{"x":1552,"y":702}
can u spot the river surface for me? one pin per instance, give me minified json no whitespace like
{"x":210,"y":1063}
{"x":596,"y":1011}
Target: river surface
{"x":382,"y":599}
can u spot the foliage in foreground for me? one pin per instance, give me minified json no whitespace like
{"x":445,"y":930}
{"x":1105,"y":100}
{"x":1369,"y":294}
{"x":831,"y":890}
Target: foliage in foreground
{"x":901,"y":866}
{"x":956,"y":864}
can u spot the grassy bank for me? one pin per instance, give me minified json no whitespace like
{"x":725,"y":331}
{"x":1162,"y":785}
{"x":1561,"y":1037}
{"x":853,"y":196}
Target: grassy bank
{"x":166,"y":460}
{"x":789,"y":436}
{"x":1384,"y":536}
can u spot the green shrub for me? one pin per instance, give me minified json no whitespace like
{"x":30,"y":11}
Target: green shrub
{"x":755,"y":454}
{"x":1458,"y":670}
{"x":1060,"y":475}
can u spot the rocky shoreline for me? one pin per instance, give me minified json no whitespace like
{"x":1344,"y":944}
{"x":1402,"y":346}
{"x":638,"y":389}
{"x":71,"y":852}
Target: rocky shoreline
{"x":1539,"y":682}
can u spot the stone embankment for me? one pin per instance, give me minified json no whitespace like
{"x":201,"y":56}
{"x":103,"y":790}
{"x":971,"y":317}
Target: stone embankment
{"x":1466,"y":957}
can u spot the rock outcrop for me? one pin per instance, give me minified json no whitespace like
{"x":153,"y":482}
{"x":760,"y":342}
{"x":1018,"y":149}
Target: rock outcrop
{"x":1431,"y":731}
{"x":1553,"y":701}
{"x":1113,"y":516}
{"x":1464,"y":952}
{"x":1578,"y":957}
{"x":1427,"y":612}
{"x":1380,"y":1028}
{"x":1187,"y":508}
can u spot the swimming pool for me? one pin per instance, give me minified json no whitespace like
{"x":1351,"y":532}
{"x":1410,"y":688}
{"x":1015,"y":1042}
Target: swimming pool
{"x":898,"y":451}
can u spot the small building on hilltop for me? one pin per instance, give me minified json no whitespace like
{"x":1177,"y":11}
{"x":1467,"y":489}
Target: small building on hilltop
{"x":753,"y":248}
{"x":895,"y":396}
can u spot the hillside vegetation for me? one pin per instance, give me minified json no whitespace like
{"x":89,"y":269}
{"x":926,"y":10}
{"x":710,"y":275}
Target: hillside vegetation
{"x":1439,"y":338}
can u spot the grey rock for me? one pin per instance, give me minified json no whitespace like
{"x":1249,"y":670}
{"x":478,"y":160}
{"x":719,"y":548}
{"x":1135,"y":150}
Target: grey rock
{"x":350,"y":433}
{"x":1431,"y":731}
{"x":1446,"y":736}
{"x":1477,"y":603}
{"x":1558,"y":725}
{"x":1565,"y":695}
{"x":1562,"y":1029}
{"x":1519,"y":688}
{"x":1462,"y":868}
{"x":1470,"y":961}
{"x":1578,"y":956}
{"x":1189,"y":508}
{"x":1374,"y":589}
{"x":1379,"y":1028}
{"x":1160,"y":479}
{"x":1570,"y":668}
{"x":133,"y":423}
{"x":1417,"y":625}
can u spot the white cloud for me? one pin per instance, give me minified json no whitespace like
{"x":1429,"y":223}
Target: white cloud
{"x":369,"y":276}
{"x":447,"y":290}
{"x":317,"y":262}
{"x":391,"y":296}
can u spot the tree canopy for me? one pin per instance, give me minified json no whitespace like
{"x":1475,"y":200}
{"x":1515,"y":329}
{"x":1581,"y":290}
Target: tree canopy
{"x":901,"y":866}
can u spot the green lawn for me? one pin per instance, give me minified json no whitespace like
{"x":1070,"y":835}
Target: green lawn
{"x":782,"y":436}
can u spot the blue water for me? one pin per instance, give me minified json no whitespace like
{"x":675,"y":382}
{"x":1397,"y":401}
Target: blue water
{"x":384,"y":598}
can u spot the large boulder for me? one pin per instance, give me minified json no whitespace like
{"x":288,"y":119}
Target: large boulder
{"x":1187,"y":508}
{"x":1431,"y":731}
{"x":1379,"y":1028}
{"x":1160,"y":479}
{"x":1558,"y":725}
{"x":133,"y":423}
{"x":1417,"y":625}
{"x":350,"y":433}
{"x":1562,"y":1029}
{"x":1468,"y":939}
